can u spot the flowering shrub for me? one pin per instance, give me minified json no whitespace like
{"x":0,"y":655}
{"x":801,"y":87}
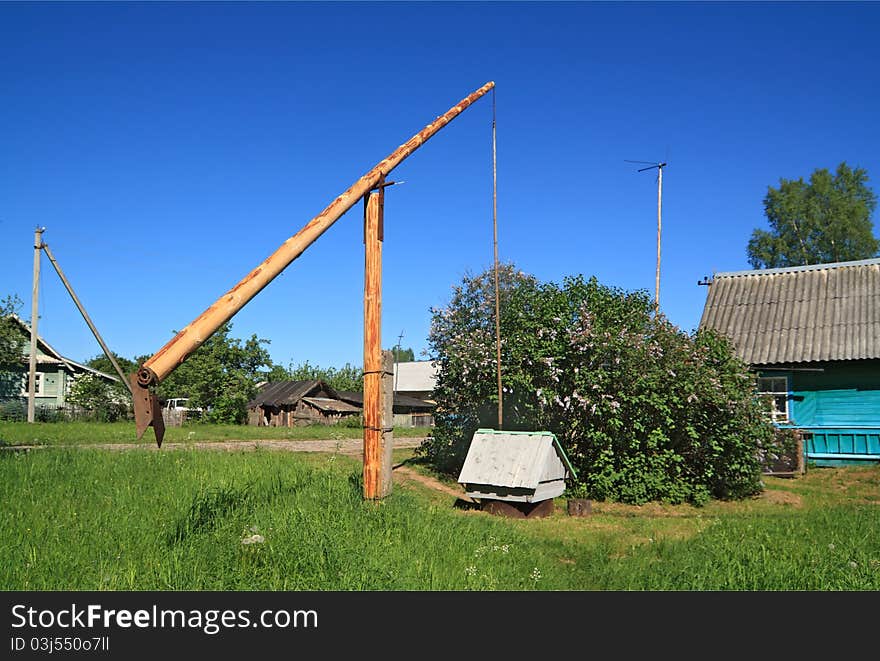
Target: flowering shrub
{"x":644,"y":410}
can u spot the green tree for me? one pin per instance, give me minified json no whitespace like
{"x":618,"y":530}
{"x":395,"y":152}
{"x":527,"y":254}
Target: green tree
{"x":103,"y":364}
{"x":220,"y":376}
{"x":644,"y":410}
{"x":402,"y":355}
{"x":825,"y":220}
{"x":277,"y":373}
{"x":348,"y":377}
{"x":12,"y":348}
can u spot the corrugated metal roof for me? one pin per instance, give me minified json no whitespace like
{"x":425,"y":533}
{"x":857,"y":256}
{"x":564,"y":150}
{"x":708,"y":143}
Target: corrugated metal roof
{"x":800,"y":314}
{"x":509,"y":459}
{"x":331,"y":405}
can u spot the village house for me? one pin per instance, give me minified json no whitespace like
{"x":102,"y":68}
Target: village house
{"x":812,"y":336}
{"x":55,"y":374}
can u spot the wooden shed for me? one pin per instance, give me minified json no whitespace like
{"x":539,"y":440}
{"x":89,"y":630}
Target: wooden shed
{"x":516,"y":466}
{"x":295,"y":403}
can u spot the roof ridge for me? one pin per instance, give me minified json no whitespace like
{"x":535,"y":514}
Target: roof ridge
{"x":795,"y":269}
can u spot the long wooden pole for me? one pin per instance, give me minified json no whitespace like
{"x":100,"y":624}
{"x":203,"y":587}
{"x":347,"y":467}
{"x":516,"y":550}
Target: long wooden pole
{"x":35,"y":293}
{"x":164,"y":361}
{"x":170,"y":356}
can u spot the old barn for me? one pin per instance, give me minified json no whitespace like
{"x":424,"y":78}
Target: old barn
{"x":297,"y":403}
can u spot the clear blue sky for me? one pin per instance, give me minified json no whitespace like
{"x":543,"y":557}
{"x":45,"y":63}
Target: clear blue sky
{"x":169,"y":148}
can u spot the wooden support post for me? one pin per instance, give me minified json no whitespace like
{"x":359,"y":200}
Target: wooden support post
{"x":386,"y":445}
{"x":32,"y":367}
{"x":801,"y":465}
{"x":377,"y":481}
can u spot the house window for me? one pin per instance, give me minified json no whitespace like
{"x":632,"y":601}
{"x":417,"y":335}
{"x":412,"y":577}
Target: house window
{"x":776,"y":389}
{"x":38,"y":384}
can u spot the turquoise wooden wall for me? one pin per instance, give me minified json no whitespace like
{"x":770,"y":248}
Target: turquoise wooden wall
{"x":839,"y":406}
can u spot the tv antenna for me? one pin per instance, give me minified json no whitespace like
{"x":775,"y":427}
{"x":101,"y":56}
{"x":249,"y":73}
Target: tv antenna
{"x":397,"y":361}
{"x":651,"y":165}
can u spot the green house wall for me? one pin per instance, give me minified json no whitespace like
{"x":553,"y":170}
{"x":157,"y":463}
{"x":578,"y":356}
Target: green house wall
{"x":838,"y":407}
{"x":55,"y":385}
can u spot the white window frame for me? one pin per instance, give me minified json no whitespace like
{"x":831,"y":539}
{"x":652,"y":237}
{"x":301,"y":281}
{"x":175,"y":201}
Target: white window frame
{"x":776,"y":387}
{"x":38,"y":384}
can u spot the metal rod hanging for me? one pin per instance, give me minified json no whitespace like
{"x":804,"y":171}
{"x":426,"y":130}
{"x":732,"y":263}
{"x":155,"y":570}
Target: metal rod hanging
{"x":495,"y":243}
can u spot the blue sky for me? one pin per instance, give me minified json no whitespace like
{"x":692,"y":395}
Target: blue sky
{"x":169,"y":148}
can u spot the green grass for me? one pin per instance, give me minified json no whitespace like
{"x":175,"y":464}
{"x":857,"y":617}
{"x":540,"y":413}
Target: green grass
{"x":75,"y":433}
{"x":144,"y":520}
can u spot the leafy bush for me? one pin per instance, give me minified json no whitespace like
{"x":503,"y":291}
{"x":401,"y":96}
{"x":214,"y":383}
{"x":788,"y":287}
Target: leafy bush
{"x":352,"y":422}
{"x":643,"y":410}
{"x":102,"y":401}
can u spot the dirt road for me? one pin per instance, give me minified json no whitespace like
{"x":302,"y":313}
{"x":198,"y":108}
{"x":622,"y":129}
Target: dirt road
{"x":352,"y":446}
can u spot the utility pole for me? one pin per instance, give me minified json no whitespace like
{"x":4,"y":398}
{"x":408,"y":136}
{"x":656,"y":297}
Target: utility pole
{"x":35,"y":293}
{"x":659,"y":167}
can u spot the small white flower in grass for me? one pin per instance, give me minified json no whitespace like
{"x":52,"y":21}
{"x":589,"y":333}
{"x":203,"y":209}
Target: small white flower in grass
{"x":831,"y":547}
{"x":253,"y":539}
{"x":470,"y":571}
{"x":536,"y":575}
{"x":853,"y":564}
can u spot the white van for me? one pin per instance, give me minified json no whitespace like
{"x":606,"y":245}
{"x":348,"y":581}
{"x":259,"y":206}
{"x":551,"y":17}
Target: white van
{"x":180,"y":404}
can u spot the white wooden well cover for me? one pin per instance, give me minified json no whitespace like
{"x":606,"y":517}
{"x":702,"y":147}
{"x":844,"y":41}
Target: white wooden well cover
{"x":523,"y":466}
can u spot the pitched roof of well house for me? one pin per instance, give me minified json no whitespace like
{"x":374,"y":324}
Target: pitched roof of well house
{"x":799,"y":314}
{"x":512,"y":459}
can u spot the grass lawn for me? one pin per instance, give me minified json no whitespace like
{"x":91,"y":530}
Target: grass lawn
{"x":92,"y":519}
{"x":76,"y":433}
